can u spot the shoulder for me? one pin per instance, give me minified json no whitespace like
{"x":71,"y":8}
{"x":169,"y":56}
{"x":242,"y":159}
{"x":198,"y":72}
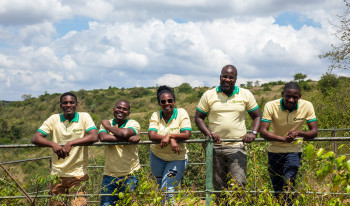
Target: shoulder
{"x":54,"y":117}
{"x":210,"y":92}
{"x":131,"y":121}
{"x":244,"y":92}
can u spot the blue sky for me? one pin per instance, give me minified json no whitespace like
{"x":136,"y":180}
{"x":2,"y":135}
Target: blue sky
{"x":56,"y":46}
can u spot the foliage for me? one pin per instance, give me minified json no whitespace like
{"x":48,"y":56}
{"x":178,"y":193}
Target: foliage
{"x":328,"y":83}
{"x":340,"y":53}
{"x":299,"y":77}
{"x":185,"y":88}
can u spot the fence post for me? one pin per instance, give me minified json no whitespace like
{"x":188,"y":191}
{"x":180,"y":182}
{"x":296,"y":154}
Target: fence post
{"x":209,"y":170}
{"x":334,"y":144}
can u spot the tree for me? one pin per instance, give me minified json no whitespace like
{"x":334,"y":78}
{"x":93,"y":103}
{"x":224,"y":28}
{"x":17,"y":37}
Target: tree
{"x":299,"y":76}
{"x":26,"y":96}
{"x":185,"y":88}
{"x":257,"y":83}
{"x":249,"y":84}
{"x":340,"y":53}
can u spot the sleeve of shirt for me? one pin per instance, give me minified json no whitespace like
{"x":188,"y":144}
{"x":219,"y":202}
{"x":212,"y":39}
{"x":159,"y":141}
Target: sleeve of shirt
{"x":102,"y":129}
{"x":203,"y":105}
{"x":185,"y":123}
{"x":311,"y":116}
{"x":267,"y":113}
{"x":251,"y":103}
{"x":88,"y":123}
{"x":154,"y":122}
{"x":47,"y":127}
{"x":134,"y":125}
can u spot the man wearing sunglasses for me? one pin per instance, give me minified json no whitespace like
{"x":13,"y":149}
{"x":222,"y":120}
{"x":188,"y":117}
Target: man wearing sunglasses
{"x":226,"y":106}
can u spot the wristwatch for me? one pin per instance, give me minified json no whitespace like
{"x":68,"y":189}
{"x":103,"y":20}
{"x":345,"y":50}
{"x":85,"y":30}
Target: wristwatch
{"x":254,"y":132}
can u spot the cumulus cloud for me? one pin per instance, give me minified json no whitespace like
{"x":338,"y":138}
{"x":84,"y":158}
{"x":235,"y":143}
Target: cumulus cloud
{"x":144,"y":43}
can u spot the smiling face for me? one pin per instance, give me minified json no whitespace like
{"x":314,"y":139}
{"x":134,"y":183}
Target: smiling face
{"x":167,"y":102}
{"x":228,"y":79}
{"x":68,"y":105}
{"x":121,"y":111}
{"x":290,"y":98}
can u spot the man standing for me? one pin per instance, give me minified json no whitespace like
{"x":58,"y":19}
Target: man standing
{"x":121,"y":161}
{"x":226,"y":106}
{"x":286,"y":117}
{"x":69,"y":162}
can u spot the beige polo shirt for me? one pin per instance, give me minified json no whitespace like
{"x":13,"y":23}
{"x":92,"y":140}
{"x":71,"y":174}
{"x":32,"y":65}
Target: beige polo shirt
{"x":63,"y":131}
{"x":121,"y":160}
{"x":283,"y":120}
{"x":226,"y":114}
{"x":178,"y":122}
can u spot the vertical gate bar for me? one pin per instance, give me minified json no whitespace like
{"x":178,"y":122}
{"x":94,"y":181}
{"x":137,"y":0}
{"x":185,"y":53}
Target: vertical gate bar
{"x":209,"y":170}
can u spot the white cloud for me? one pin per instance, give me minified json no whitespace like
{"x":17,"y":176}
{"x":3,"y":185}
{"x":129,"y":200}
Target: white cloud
{"x":19,"y":12}
{"x":143,"y":43}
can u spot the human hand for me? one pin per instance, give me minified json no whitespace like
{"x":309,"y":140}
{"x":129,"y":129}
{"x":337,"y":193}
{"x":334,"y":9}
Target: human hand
{"x":58,"y":149}
{"x":134,"y":139}
{"x":174,"y":146}
{"x":164,"y":142}
{"x":248,"y":138}
{"x":215,"y":137}
{"x":292,"y":133}
{"x":67,"y":148}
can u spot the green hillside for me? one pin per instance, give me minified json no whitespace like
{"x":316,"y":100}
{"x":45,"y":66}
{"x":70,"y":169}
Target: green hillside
{"x":20,"y":119}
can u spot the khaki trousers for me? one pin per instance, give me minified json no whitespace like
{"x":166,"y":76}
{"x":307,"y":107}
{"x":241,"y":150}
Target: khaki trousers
{"x":69,"y":185}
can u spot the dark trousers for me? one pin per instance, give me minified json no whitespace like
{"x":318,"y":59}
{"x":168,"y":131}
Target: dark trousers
{"x":283,"y":169}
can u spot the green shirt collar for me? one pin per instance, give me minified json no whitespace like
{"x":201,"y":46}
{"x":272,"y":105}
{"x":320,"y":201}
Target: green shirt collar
{"x":115,"y":123}
{"x":283,"y":108}
{"x":174,"y":116}
{"x":75,"y":119}
{"x":235,"y":91}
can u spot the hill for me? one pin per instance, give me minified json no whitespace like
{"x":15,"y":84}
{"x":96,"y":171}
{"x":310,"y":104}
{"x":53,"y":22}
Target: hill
{"x":20,"y":119}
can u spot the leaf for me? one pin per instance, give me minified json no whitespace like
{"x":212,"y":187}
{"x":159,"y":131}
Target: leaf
{"x":319,"y":152}
{"x":308,"y":151}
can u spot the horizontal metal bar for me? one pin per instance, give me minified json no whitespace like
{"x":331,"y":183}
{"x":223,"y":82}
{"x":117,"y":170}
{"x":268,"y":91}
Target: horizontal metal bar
{"x":25,"y":160}
{"x":186,"y":141}
{"x":196,"y":192}
{"x":147,"y":165}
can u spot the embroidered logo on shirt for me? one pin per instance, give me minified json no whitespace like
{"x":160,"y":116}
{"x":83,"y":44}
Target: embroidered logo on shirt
{"x":236,"y":101}
{"x":77,"y":130}
{"x":172,"y":129}
{"x":298,"y":119}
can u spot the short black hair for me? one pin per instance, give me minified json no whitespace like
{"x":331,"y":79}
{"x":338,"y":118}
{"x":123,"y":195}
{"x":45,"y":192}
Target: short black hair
{"x":69,"y":94}
{"x":291,"y":85}
{"x":123,"y":100}
{"x":163,"y":89}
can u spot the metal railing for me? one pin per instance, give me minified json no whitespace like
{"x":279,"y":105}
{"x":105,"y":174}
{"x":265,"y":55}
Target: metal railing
{"x":208,"y":159}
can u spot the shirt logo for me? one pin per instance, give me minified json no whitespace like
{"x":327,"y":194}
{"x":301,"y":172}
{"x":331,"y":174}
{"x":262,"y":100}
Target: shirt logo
{"x":298,"y":119}
{"x":236,"y":101}
{"x":172,"y":129}
{"x":77,"y":130}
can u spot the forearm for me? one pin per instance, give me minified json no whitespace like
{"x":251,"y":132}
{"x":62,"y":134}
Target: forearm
{"x":256,"y":124}
{"x":155,"y":136}
{"x":41,"y":141}
{"x":88,"y":139}
{"x":105,"y":137}
{"x":308,"y":134}
{"x":185,"y":135}
{"x":203,"y":127}
{"x":270,"y":136}
{"x":121,"y":133}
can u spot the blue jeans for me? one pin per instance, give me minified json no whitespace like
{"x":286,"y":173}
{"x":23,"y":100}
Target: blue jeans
{"x":167,"y":173}
{"x":283,"y":167}
{"x":116,"y":184}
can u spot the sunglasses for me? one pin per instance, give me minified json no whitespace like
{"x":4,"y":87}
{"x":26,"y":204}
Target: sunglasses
{"x":163,"y":101}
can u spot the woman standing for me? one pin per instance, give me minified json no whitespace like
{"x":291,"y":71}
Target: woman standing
{"x":168,"y":159}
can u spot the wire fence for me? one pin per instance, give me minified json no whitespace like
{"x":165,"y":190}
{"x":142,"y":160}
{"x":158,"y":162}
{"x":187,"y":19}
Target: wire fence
{"x":32,"y":171}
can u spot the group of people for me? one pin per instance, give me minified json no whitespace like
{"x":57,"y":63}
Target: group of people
{"x":224,"y":106}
